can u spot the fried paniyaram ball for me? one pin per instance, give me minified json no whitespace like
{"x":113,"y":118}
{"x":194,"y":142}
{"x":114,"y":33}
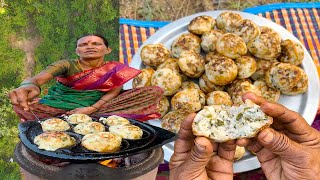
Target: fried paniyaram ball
{"x":104,"y":142}
{"x":55,"y":124}
{"x":53,"y":140}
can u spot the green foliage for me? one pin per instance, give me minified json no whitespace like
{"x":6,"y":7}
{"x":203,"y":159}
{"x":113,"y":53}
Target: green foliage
{"x":8,"y":138}
{"x":9,"y":141}
{"x":8,"y":118}
{"x":11,"y":64}
{"x":9,"y":170}
{"x":59,"y":24}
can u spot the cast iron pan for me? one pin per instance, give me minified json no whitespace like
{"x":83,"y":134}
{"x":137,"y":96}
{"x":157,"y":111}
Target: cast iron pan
{"x":153,"y":137}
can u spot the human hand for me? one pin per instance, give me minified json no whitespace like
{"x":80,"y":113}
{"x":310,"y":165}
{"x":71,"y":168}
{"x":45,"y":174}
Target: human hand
{"x":291,"y":150}
{"x":84,"y":110}
{"x":23,"y":95}
{"x":198,"y":157}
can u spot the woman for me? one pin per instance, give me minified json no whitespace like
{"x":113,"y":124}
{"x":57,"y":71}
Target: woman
{"x":87,"y":85}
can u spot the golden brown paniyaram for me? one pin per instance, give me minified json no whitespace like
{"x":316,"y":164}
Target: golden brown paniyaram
{"x":105,"y":142}
{"x":89,"y":128}
{"x":55,"y":124}
{"x":53,"y":140}
{"x":78,"y":118}
{"x":114,"y":120}
{"x":127,"y":131}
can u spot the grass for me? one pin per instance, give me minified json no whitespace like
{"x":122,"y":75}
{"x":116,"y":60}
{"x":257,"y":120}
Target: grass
{"x":169,"y":10}
{"x":9,"y":170}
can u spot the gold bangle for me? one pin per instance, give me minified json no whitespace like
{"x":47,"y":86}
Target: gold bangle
{"x":102,"y":100}
{"x":94,"y":107}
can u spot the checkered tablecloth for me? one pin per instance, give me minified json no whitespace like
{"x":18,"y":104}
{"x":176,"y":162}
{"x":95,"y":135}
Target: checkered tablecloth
{"x":301,"y":19}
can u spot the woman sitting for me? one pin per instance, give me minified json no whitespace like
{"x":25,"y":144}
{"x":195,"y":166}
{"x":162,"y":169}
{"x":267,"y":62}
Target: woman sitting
{"x":87,"y":85}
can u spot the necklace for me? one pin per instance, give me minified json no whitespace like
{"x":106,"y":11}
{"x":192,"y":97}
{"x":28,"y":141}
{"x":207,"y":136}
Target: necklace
{"x":90,"y":67}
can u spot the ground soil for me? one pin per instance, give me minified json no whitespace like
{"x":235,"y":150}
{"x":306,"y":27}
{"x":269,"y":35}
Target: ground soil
{"x":28,"y":46}
{"x":169,"y":10}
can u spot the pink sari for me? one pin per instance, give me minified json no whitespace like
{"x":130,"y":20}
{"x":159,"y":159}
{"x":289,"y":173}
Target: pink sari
{"x":104,"y":78}
{"x":140,"y":103}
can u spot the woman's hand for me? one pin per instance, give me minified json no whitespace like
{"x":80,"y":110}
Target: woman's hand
{"x":28,"y":90}
{"x":24,"y":94}
{"x":291,"y":150}
{"x":84,"y":110}
{"x":199,"y":158}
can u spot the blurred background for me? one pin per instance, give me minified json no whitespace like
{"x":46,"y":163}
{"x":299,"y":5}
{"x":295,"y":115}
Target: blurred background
{"x":170,"y":10}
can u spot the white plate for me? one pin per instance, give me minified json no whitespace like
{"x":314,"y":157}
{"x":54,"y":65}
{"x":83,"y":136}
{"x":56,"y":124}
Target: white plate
{"x":306,"y":104}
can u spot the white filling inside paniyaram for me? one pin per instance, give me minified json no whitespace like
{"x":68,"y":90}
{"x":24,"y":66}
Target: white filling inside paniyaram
{"x":222,"y":123}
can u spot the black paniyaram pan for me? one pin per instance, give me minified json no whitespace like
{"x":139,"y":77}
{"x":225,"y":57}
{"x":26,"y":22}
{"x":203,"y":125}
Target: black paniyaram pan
{"x":153,"y":137}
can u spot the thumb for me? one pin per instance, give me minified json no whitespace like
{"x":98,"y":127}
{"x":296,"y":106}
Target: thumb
{"x":32,"y":94}
{"x":200,"y":155}
{"x":277,"y":142}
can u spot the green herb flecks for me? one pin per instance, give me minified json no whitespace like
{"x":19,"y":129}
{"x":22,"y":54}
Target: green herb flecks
{"x":239,"y":116}
{"x":220,"y":123}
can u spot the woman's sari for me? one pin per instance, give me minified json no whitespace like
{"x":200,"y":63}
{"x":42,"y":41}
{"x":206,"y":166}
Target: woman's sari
{"x":86,"y":88}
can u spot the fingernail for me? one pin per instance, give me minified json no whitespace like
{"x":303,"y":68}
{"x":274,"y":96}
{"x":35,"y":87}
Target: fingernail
{"x":267,"y":136}
{"x":199,"y":146}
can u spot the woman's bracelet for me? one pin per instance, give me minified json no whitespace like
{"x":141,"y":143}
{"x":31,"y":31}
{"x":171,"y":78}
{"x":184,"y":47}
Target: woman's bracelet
{"x":102,"y":100}
{"x":30,"y":83}
{"x":95,"y":107}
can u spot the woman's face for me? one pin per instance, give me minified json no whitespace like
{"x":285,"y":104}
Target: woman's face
{"x":91,"y":47}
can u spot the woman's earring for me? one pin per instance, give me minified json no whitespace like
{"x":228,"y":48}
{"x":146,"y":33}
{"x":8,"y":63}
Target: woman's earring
{"x":108,"y":50}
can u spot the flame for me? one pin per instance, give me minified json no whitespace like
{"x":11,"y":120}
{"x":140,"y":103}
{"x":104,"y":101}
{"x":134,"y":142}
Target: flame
{"x":109,"y":163}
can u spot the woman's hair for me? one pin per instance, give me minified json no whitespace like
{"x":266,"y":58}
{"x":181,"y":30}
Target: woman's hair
{"x":105,"y":41}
